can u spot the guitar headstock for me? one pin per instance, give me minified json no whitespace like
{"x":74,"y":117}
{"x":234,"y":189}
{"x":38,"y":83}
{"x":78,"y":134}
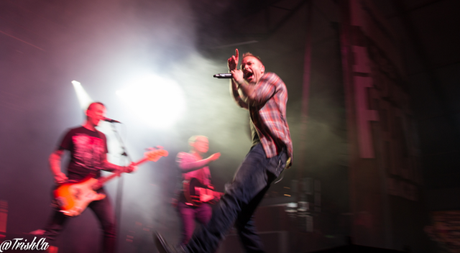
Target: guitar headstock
{"x":154,"y":154}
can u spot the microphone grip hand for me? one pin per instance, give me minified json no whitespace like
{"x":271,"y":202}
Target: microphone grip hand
{"x":238,"y":76}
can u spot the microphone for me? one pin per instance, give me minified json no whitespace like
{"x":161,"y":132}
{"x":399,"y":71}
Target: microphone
{"x":111,"y":120}
{"x":223,"y":75}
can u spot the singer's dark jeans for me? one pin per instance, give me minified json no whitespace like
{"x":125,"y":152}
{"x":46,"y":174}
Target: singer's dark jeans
{"x":104,"y":213}
{"x":239,"y":202}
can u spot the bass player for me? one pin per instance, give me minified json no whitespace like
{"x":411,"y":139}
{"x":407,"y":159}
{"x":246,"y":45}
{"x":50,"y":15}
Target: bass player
{"x":195,"y":168}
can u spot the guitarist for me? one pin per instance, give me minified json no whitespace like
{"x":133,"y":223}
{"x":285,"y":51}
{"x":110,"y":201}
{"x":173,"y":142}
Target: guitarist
{"x":88,"y":156}
{"x":194,"y":166}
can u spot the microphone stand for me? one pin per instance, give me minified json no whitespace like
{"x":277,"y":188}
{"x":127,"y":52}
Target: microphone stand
{"x":119,"y":194}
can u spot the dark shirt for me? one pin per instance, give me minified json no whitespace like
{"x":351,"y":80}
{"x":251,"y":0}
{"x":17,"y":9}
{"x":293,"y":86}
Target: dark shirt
{"x":87,"y":152}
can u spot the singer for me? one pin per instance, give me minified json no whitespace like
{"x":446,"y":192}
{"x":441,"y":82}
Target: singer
{"x":88,"y":155}
{"x":265,"y":95}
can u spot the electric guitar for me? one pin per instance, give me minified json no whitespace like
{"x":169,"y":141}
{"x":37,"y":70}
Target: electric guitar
{"x":196,"y":193}
{"x":73,"y":198}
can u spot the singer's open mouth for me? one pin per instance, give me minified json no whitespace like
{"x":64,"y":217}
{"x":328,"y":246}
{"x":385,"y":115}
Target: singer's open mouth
{"x":248,"y":74}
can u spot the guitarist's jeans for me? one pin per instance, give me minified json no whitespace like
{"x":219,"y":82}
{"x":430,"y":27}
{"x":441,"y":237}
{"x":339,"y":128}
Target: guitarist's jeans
{"x":239,"y":202}
{"x":104,"y":212}
{"x":188,"y":214}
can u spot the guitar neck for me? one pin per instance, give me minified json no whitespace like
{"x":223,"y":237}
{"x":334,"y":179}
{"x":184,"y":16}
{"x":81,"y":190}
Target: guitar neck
{"x":143,"y":160}
{"x":104,"y":180}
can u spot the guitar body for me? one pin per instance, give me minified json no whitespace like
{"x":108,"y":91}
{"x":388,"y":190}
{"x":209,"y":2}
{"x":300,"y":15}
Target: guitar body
{"x":196,"y":193}
{"x":73,"y":198}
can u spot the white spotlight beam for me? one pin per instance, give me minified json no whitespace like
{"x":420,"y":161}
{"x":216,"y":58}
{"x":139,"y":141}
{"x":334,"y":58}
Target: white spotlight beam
{"x":83,"y":98}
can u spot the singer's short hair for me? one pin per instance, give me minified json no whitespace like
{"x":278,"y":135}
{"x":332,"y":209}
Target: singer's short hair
{"x":94,"y":103}
{"x":247,"y":54}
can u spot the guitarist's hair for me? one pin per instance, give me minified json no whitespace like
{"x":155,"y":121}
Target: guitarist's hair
{"x":94,"y":103}
{"x":192,"y":139}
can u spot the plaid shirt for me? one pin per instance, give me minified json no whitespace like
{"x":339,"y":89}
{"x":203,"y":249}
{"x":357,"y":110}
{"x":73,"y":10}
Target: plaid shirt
{"x":267,"y":108}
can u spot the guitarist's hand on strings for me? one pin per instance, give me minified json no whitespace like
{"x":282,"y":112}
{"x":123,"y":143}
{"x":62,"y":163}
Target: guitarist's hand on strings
{"x":130,"y":168}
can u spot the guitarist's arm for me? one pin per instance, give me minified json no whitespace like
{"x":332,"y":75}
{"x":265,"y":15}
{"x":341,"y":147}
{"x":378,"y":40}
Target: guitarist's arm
{"x":187,"y":163}
{"x":115,"y":168}
{"x":55,"y":166}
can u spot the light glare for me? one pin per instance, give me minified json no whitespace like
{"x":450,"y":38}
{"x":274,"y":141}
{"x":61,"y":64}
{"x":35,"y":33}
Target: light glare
{"x":156,"y":100}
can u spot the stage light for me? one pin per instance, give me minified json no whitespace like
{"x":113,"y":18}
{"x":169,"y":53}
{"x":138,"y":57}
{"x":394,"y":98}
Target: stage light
{"x":157,"y":101}
{"x":83,"y":98}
